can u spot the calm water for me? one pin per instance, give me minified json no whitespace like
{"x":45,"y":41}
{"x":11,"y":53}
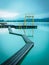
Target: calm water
{"x":38,"y":55}
{"x":29,"y":23}
{"x":9,"y":44}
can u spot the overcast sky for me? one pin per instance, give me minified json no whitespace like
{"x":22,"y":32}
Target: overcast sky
{"x":23,"y":7}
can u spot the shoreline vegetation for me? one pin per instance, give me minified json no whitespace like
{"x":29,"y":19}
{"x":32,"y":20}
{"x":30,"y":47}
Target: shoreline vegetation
{"x":27,"y":20}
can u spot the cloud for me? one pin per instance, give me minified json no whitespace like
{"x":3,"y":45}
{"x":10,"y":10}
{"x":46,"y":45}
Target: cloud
{"x":8,"y":15}
{"x":42,"y":15}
